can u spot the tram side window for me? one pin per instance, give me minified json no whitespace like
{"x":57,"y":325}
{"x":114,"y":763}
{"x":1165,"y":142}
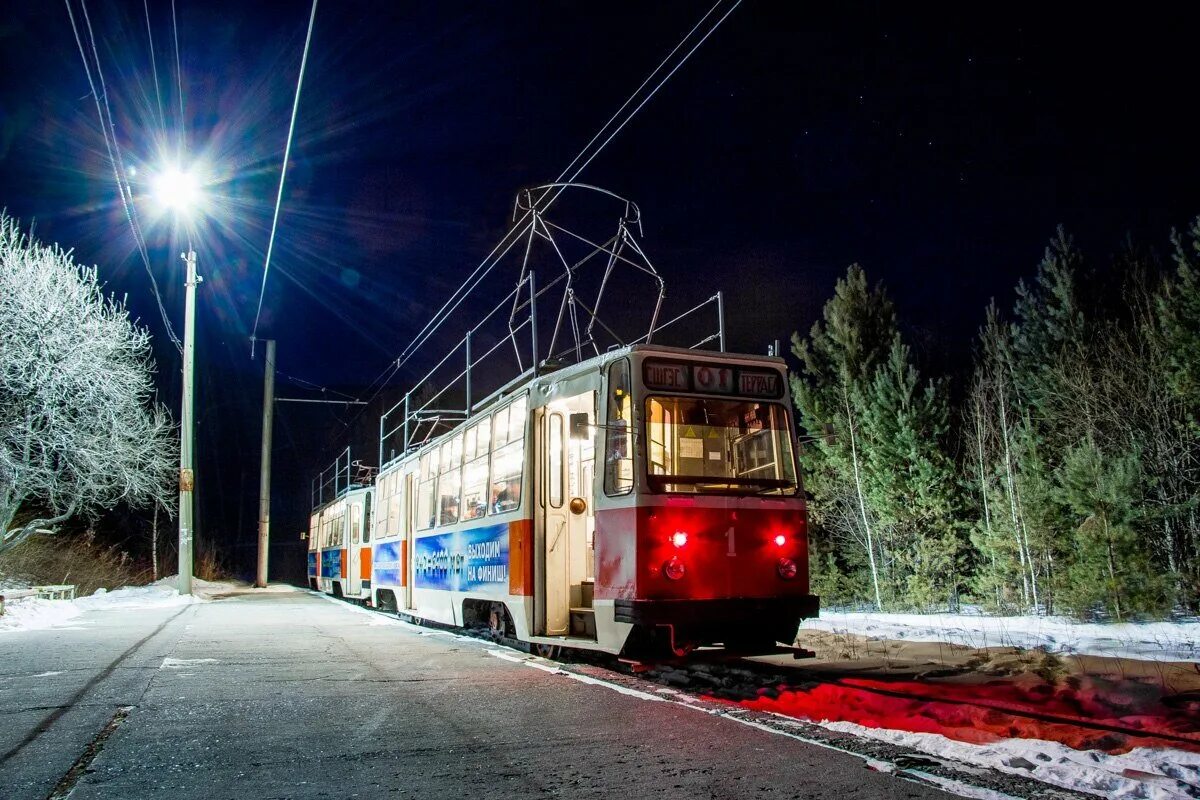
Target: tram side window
{"x":450,"y":482}
{"x":508,"y":457}
{"x":425,"y":500}
{"x":618,"y":446}
{"x":388,"y":523}
{"x":367,"y":519}
{"x":555,"y":472}
{"x":476,"y":449}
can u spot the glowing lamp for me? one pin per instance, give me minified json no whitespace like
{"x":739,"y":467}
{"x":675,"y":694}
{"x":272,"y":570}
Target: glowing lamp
{"x":679,"y":538}
{"x":786,"y":568}
{"x":177,"y":190}
{"x":780,"y":540}
{"x":673,"y":569}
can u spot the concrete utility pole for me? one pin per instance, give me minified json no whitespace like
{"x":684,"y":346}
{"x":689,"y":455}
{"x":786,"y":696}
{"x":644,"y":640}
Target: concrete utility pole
{"x":187,"y":475}
{"x":264,"y":486}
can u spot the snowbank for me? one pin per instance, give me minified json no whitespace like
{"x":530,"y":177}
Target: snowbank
{"x":211,"y":590}
{"x":132,"y":598}
{"x":30,"y":613}
{"x":1149,"y":773}
{"x":1151,"y":641}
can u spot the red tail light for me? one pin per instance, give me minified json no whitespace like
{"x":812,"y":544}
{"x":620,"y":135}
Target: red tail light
{"x":679,"y":538}
{"x":673,"y":569}
{"x":780,"y":540}
{"x":786,"y":568}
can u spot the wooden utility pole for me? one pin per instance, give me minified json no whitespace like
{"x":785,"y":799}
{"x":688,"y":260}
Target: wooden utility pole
{"x":264,"y":486}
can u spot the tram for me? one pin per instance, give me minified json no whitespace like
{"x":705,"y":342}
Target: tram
{"x":339,"y":544}
{"x":646,"y":498}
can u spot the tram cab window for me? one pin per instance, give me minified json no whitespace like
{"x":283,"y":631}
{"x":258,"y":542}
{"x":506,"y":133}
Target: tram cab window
{"x":425,"y":499}
{"x":701,"y":445}
{"x":618,"y":429}
{"x":450,"y":482}
{"x":477,"y":446}
{"x":508,"y":457}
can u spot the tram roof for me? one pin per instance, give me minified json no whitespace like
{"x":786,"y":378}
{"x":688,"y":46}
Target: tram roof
{"x":528,"y":379}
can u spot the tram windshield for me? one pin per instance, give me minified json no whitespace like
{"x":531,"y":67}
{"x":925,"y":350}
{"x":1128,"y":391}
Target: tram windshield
{"x":707,"y":446}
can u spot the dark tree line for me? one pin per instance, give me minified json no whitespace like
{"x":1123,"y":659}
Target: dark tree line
{"x":1062,"y":475}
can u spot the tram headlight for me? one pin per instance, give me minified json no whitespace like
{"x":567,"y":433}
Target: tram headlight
{"x":673,"y":569}
{"x":786,"y":568}
{"x":679,"y":538}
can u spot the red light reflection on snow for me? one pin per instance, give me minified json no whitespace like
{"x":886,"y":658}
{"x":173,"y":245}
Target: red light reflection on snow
{"x":949,"y":710}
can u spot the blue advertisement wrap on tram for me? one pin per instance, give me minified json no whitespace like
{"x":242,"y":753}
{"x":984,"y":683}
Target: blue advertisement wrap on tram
{"x":331,"y":563}
{"x":387,"y":562}
{"x":463,"y":560}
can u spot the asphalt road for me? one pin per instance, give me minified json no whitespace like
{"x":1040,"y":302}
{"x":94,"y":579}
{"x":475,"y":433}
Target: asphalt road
{"x":295,"y":696}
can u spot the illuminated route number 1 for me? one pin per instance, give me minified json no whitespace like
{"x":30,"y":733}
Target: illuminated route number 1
{"x":732,"y":551}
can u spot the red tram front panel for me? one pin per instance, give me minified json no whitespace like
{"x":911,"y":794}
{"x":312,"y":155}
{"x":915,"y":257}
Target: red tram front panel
{"x":702,"y":549}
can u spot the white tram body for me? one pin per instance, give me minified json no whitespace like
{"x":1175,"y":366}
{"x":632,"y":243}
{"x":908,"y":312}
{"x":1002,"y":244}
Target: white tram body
{"x":339,"y":544}
{"x":647,"y":493}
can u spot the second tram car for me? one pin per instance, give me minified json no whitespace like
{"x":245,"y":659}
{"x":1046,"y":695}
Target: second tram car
{"x":339,"y":544}
{"x":645,"y":498}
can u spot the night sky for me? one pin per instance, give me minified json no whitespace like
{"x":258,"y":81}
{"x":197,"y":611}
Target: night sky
{"x":937,"y":146}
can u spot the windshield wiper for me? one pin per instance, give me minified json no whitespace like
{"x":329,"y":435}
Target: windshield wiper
{"x":757,"y":484}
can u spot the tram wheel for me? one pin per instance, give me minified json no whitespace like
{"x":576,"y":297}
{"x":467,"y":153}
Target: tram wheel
{"x":682,"y":649}
{"x":550,"y":651}
{"x":498,"y":624}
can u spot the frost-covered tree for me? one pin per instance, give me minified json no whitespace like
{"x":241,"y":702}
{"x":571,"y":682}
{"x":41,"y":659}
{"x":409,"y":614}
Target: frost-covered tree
{"x":79,"y":428}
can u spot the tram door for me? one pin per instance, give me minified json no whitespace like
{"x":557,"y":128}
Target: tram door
{"x":352,"y":585}
{"x":568,"y":468}
{"x":558,"y":608}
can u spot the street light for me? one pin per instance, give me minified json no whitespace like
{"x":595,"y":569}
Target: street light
{"x":179,"y":191}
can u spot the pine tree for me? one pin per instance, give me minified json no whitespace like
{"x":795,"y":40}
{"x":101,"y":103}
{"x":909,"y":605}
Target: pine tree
{"x":1179,"y":313}
{"x":912,"y":481}
{"x":837,"y":361}
{"x":1109,"y":567}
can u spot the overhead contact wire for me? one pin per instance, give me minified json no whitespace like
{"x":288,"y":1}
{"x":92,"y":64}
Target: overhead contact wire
{"x":490,"y":261}
{"x":114,"y":157}
{"x":287,"y":150}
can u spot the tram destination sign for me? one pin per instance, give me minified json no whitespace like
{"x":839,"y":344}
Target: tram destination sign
{"x":675,"y":376}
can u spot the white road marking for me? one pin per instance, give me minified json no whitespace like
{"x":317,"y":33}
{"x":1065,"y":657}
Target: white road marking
{"x":575,"y":676}
{"x":47,"y":674}
{"x":184,"y":663}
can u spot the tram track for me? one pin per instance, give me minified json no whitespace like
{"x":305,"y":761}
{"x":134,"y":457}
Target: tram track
{"x":771,"y":680}
{"x":742,"y":689}
{"x":738,"y":679}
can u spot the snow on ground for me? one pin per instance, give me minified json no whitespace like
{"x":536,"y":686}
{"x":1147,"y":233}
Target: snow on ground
{"x":31,"y":613}
{"x":1151,"y":641}
{"x":1142,"y":773}
{"x":210,"y":590}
